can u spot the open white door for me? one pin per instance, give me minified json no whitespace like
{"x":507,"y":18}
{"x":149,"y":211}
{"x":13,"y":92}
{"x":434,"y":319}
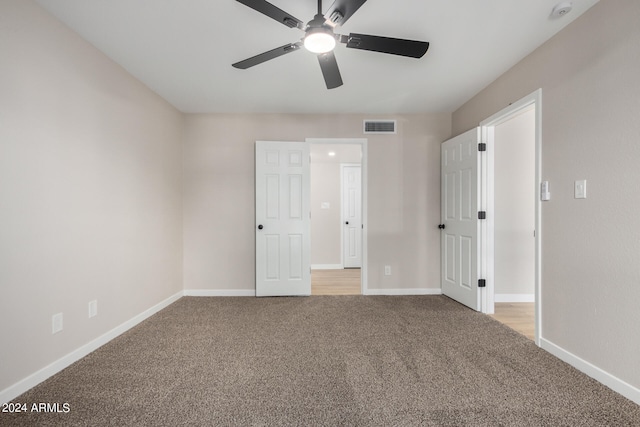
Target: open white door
{"x":283,"y":248}
{"x":460,"y":202}
{"x":351,"y":216}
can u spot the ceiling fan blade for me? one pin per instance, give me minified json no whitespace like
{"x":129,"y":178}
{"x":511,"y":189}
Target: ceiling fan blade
{"x":273,"y":12}
{"x":402,"y":47}
{"x":330,"y":70}
{"x":263,"y":57}
{"x":341,"y":10}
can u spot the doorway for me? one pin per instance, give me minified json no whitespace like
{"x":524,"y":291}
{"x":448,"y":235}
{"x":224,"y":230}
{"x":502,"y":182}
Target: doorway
{"x":513,"y":138}
{"x":514,"y":226}
{"x":338,"y":249}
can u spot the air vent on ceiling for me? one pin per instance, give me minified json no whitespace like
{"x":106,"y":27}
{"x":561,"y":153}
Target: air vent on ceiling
{"x":379,"y":126}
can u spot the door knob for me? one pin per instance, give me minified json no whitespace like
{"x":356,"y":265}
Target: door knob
{"x":260,"y":227}
{"x":441,"y":226}
{"x":346,"y":222}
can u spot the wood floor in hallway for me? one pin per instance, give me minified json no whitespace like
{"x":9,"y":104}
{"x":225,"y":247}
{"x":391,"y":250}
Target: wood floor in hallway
{"x":336,"y":282}
{"x":519,"y":316}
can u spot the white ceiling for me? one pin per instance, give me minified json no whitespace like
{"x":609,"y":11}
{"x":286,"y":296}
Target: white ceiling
{"x":183,"y":50}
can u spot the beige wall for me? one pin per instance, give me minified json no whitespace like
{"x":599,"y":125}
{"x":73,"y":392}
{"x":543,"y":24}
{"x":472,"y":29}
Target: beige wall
{"x":590,"y":130}
{"x":514,"y":205}
{"x":90,"y":204}
{"x":403,"y":190}
{"x":326,"y":224}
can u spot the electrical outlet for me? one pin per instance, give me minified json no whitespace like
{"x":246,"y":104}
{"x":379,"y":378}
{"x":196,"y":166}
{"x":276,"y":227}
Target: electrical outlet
{"x":56,"y":323}
{"x":93,"y":308}
{"x":387,"y":270}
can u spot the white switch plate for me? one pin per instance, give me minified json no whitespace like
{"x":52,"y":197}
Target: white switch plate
{"x":325,"y":205}
{"x":56,"y":323}
{"x":545,"y":195}
{"x":387,"y":270}
{"x":93,"y":308}
{"x":580,"y":189}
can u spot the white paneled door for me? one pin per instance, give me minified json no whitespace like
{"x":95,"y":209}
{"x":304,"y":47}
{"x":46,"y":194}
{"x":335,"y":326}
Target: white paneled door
{"x":351,"y":216}
{"x":460,"y":235}
{"x":283,"y":260}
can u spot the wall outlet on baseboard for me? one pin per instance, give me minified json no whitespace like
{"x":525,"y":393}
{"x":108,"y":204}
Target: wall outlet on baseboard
{"x":56,"y":323}
{"x":93,"y":308}
{"x":387,"y":270}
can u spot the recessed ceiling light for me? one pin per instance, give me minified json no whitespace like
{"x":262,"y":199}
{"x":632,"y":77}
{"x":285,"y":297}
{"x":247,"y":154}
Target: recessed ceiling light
{"x":332,"y":153}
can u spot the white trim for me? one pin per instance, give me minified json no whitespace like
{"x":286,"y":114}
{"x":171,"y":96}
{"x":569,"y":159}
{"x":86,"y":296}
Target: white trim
{"x":409,"y":291}
{"x":37,"y":377}
{"x":484,"y":238}
{"x":616,"y":384}
{"x":327,"y":267}
{"x":220,"y":293}
{"x":363,"y":142}
{"x":488,"y":125}
{"x":515,"y":297}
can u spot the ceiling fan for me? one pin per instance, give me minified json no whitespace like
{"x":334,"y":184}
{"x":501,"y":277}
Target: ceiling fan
{"x":320,"y":38}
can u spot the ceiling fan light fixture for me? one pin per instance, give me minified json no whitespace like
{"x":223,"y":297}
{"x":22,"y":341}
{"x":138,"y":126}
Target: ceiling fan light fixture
{"x":319,"y":40}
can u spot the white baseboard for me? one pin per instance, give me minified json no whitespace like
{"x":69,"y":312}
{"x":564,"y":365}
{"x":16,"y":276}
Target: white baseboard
{"x":327,"y":266}
{"x":36,"y":378}
{"x":409,"y":291}
{"x":616,"y":384}
{"x":220,"y":293}
{"x":514,"y":298}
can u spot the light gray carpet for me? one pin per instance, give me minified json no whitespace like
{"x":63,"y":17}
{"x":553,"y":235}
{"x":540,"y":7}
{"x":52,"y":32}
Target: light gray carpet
{"x":348,"y":360}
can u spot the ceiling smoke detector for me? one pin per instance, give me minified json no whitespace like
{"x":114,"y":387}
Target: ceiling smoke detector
{"x":561,"y":9}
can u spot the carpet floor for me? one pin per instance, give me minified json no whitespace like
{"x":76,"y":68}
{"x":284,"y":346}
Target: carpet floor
{"x":335,"y":361}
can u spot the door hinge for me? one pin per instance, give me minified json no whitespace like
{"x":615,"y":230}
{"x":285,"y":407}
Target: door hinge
{"x":482,"y":283}
{"x":482,"y":146}
{"x":482,"y":214}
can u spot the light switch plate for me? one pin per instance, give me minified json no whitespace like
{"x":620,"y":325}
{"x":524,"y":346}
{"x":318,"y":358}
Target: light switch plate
{"x":545,"y":195}
{"x":56,"y":323}
{"x":580,"y":189}
{"x":93,"y":308}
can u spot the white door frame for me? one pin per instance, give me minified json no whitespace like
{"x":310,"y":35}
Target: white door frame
{"x":488,"y":132}
{"x":363,"y":148}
